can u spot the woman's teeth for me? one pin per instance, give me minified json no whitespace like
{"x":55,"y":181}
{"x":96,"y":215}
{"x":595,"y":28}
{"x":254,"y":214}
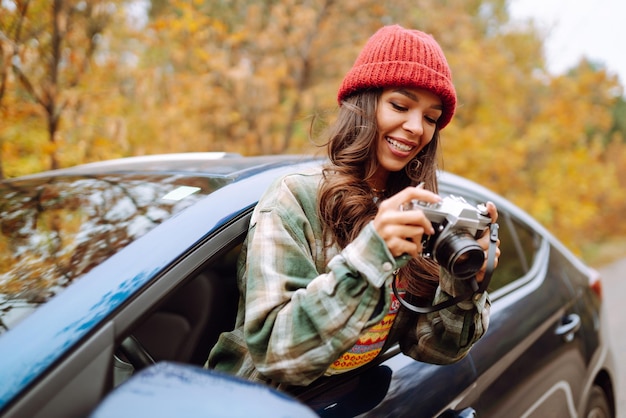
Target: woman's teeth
{"x":399,"y":145}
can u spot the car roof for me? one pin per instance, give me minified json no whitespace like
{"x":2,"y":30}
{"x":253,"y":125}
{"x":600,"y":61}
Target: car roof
{"x":100,"y":203}
{"x":207,"y":164}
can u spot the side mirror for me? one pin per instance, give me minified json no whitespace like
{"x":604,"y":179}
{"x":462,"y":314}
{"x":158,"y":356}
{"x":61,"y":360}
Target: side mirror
{"x":169,"y":389}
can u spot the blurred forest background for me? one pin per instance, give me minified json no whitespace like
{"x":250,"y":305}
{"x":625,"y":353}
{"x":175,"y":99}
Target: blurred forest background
{"x":87,"y":80}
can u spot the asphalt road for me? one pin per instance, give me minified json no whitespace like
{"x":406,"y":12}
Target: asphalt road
{"x":614,"y":291}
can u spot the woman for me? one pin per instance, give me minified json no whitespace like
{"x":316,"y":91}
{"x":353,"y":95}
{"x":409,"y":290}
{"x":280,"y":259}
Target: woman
{"x":324,"y":246}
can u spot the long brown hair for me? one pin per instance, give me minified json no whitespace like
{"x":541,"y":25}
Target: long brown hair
{"x":346,"y":201}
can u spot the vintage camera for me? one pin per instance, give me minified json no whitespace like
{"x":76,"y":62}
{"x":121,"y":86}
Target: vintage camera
{"x":457,"y":225}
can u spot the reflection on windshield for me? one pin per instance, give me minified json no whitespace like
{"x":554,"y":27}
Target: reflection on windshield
{"x":54,"y":230}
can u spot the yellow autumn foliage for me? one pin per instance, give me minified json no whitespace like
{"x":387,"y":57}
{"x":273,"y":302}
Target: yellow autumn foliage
{"x":251,"y":76}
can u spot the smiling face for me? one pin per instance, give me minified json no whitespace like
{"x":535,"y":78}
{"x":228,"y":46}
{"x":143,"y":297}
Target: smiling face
{"x":407,"y":121}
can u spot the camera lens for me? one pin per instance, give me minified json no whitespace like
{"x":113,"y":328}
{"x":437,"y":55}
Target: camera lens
{"x":460,"y":254}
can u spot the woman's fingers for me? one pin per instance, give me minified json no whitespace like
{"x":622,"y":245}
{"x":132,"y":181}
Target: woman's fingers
{"x":484,"y":241}
{"x":403,"y":230}
{"x":409,"y":194}
{"x":403,"y":239}
{"x":402,"y":234}
{"x":493,"y":211}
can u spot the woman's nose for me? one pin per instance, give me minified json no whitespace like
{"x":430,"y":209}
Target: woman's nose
{"x":413,"y":123}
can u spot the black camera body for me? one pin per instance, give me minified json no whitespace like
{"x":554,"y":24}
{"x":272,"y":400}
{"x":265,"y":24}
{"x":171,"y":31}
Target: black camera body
{"x":457,"y":225}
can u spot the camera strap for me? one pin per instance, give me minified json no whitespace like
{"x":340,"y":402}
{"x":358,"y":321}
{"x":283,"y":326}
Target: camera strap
{"x":476,"y":288}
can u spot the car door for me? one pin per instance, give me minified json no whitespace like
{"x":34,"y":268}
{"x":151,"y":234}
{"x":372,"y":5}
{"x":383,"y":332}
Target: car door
{"x":387,"y":388}
{"x":397,"y":386}
{"x":77,"y":383}
{"x":529,"y":363}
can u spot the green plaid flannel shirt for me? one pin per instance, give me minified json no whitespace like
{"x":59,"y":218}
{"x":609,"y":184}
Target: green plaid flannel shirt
{"x":303,"y":304}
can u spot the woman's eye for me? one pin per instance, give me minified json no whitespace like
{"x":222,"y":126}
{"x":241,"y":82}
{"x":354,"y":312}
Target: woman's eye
{"x":397,"y":106}
{"x":430,"y":120}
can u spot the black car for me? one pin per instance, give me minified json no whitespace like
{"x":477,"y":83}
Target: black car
{"x":108,"y":268}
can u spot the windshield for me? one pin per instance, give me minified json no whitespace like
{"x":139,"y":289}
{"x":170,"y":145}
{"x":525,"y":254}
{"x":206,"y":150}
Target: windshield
{"x":54,"y":230}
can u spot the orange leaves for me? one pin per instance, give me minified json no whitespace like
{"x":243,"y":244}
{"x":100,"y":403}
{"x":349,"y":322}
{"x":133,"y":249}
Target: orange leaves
{"x":248,"y":76}
{"x":533,"y":137}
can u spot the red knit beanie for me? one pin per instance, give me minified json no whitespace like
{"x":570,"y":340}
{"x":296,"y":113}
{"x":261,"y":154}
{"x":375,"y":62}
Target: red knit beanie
{"x":399,"y":57}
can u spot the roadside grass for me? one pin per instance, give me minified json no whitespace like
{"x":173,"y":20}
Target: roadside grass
{"x":598,"y":255}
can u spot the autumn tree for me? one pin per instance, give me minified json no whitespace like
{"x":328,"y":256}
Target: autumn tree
{"x":246,"y":76}
{"x":250,"y":76}
{"x":5,"y":60}
{"x":9,"y":30}
{"x":52,"y":45}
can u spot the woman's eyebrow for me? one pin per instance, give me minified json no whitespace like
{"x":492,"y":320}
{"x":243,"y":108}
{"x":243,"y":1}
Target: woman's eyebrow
{"x":415,"y":98}
{"x":408,"y":94}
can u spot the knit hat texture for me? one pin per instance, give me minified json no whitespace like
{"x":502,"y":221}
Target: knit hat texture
{"x":399,"y":57}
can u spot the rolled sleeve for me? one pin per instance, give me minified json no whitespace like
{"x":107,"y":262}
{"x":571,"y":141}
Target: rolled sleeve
{"x":454,"y":287}
{"x":446,"y":336}
{"x":369,"y":255}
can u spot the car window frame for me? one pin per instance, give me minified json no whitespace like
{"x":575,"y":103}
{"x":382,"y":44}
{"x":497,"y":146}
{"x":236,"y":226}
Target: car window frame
{"x":163,"y":284}
{"x":75,"y":370}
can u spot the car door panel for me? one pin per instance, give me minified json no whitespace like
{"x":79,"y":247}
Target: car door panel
{"x":75,"y":385}
{"x":440,"y":388}
{"x":390,"y":388}
{"x":545,"y":365}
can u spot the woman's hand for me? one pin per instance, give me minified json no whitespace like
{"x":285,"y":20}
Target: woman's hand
{"x":401,"y":230}
{"x":483,"y":241}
